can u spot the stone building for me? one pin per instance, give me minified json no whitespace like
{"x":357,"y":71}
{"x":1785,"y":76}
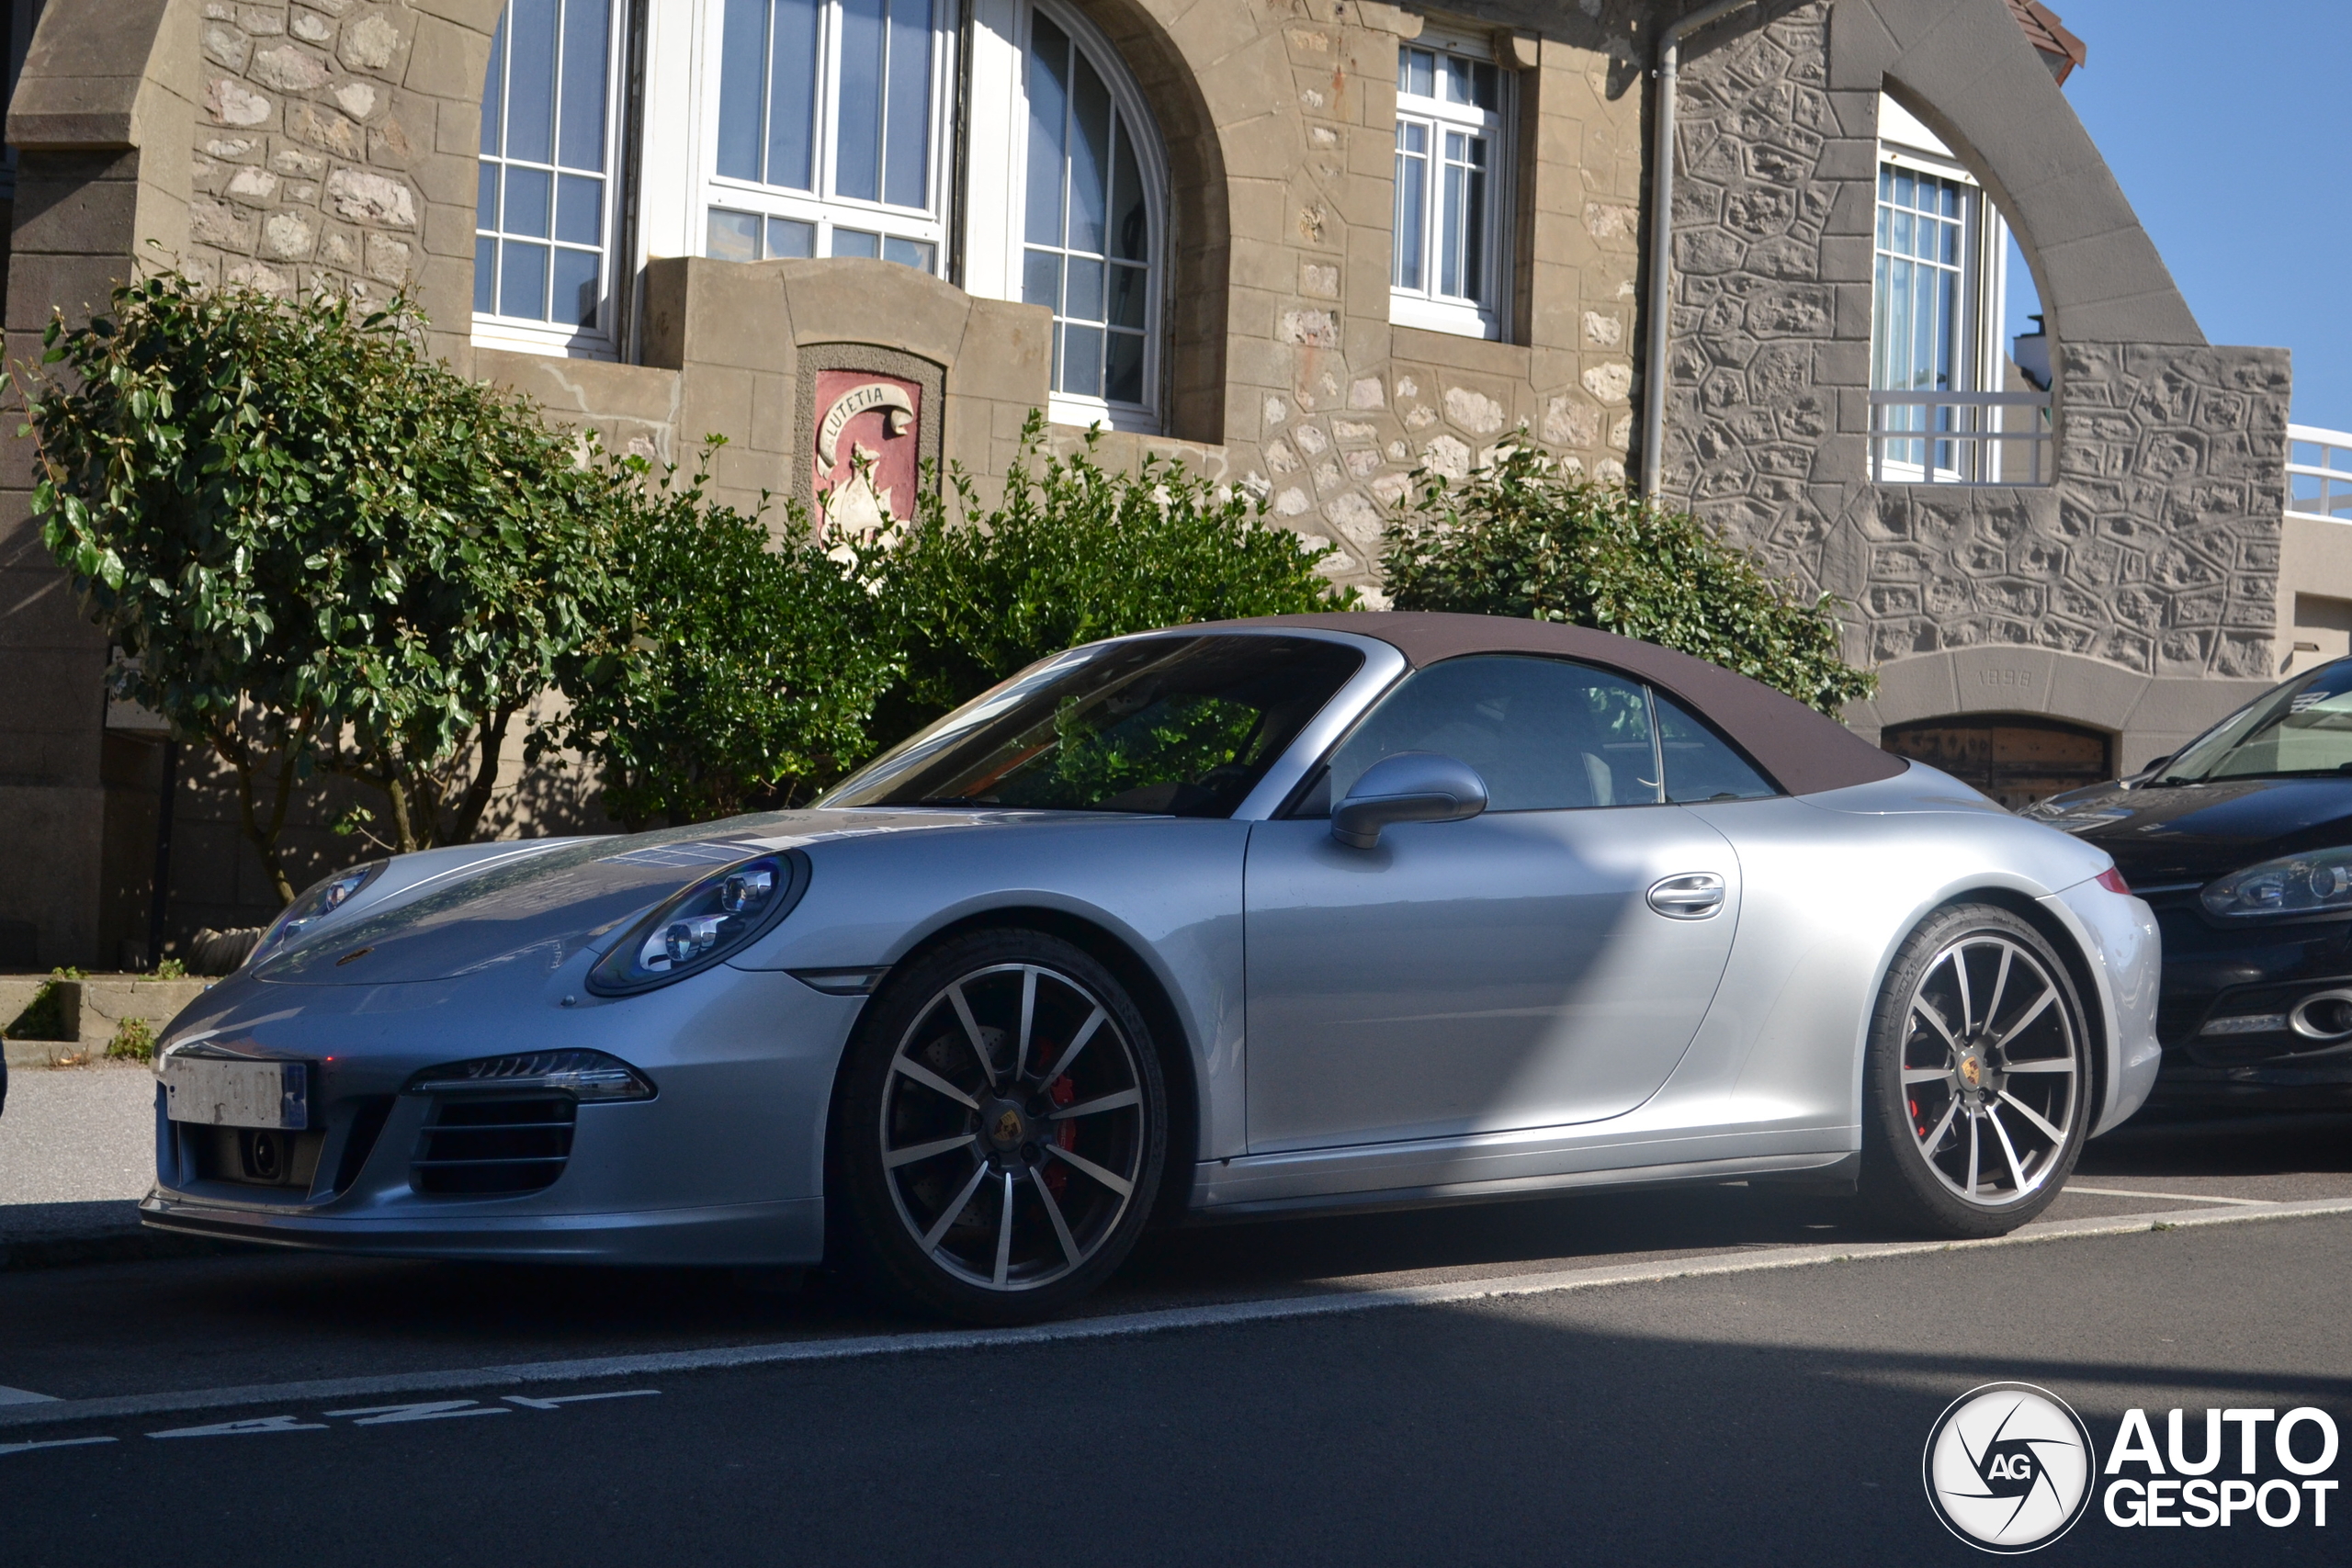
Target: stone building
{"x":1303,"y":246}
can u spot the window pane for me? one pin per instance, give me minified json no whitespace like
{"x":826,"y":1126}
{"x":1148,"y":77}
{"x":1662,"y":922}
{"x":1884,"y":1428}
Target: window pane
{"x":916,"y":253}
{"x":576,"y":293}
{"x":1457,"y":80}
{"x":906,"y":179}
{"x":745,"y":46}
{"x":1474,"y":224}
{"x":1123,"y":369}
{"x":1127,"y":295}
{"x":733,"y":236}
{"x":1048,"y":118}
{"x":486,"y":274}
{"x":580,"y":209}
{"x":1041,"y":279}
{"x":522,"y":281}
{"x":856,"y":242}
{"x":857,"y":116}
{"x":1090,"y":159}
{"x":1085,"y":301}
{"x":791,"y":237}
{"x":1544,"y":733}
{"x":493,"y":91}
{"x":1700,"y":765}
{"x":527,"y":191}
{"x":1449,"y":241}
{"x":530,"y":82}
{"x":792,"y":96}
{"x":587,"y":27}
{"x":1418,"y":73}
{"x":1082,"y":361}
{"x":1130,"y":224}
{"x":486,"y":203}
{"x":1483,"y":89}
{"x":1412,"y":174}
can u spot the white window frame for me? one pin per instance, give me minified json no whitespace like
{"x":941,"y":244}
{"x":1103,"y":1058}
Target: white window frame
{"x":1904,"y":142}
{"x":996,"y":202}
{"x":1426,"y":307}
{"x":600,"y":340}
{"x":923,"y":226}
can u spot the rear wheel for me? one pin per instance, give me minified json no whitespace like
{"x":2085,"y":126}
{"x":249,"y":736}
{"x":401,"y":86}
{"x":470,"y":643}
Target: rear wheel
{"x":999,"y":1132}
{"x":1976,"y":1090}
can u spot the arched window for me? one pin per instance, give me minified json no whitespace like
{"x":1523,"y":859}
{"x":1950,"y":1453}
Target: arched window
{"x":1073,"y":216}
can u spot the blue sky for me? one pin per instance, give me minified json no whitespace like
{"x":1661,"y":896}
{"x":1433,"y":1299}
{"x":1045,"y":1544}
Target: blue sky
{"x":2228,"y":124}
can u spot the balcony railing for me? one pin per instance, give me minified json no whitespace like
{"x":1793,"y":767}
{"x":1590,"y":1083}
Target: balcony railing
{"x":2319,"y":473}
{"x":1961,"y":438}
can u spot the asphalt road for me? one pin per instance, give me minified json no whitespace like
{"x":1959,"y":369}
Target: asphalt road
{"x":1770,"y":1415}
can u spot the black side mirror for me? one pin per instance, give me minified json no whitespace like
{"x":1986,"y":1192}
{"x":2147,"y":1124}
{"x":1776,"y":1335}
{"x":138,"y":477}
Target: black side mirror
{"x":1411,"y":786}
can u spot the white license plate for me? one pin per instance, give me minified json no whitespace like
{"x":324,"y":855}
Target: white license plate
{"x":237,"y":1094}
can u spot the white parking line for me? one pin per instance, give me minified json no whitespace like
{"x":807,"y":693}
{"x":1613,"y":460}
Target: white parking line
{"x":2177,"y":1197}
{"x":1126,"y":1325}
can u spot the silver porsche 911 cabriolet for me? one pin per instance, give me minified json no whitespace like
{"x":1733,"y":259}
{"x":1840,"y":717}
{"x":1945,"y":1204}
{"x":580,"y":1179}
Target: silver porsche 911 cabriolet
{"x":1228,"y":920}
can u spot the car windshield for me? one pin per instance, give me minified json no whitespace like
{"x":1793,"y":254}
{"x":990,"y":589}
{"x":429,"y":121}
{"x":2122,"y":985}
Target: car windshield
{"x":1184,"y":726}
{"x":2302,"y":729}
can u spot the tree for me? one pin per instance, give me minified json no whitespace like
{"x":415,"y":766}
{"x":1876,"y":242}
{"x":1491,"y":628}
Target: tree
{"x":1072,"y":554}
{"x":722,"y":670}
{"x":1526,"y":538}
{"x":321,"y":549}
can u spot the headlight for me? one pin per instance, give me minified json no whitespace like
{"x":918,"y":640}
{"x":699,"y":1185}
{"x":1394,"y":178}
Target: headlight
{"x":317,"y":902}
{"x":583,"y":1075}
{"x":2312,"y":884}
{"x":706,"y":924}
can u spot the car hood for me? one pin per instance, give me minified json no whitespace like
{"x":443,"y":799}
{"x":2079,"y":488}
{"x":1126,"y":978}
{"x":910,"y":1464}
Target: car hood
{"x":2196,"y":832}
{"x":534,"y":912}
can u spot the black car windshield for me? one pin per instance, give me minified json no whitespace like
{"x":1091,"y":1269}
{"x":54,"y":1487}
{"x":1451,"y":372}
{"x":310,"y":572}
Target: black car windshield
{"x":1184,"y":726}
{"x":2303,"y":729}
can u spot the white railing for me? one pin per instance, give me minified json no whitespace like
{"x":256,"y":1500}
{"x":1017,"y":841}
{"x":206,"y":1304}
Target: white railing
{"x":2319,"y":473}
{"x":1961,"y":438}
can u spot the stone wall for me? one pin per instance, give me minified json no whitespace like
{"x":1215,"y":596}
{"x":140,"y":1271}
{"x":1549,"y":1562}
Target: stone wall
{"x":2156,"y":550}
{"x":334,"y":148}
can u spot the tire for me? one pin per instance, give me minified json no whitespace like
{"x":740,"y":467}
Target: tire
{"x":999,"y":1132}
{"x":1976,"y":1087}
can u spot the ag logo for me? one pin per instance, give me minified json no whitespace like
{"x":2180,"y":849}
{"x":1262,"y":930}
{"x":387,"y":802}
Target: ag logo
{"x":2008,"y":1467}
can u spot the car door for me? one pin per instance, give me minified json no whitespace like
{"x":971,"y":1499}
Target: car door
{"x":1505,"y":972}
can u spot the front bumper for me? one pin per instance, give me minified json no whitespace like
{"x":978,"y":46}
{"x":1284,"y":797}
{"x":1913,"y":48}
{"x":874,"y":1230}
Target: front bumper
{"x":2250,"y":972}
{"x":723,"y":1166}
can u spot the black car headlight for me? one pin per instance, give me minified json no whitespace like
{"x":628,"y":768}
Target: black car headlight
{"x":706,"y":924}
{"x":316,"y":903}
{"x":2317,"y":883}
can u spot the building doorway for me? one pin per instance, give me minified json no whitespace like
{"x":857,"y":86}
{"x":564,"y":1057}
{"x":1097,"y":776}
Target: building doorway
{"x":2015,"y":758}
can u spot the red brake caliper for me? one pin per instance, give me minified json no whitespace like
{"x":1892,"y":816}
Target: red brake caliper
{"x":1061,"y":1092}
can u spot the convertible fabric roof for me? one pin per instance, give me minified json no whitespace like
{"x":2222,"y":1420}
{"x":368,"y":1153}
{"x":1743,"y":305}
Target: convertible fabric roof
{"x":1804,"y":752}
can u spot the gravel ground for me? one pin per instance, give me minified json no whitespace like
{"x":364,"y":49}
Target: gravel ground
{"x":78,"y":1134}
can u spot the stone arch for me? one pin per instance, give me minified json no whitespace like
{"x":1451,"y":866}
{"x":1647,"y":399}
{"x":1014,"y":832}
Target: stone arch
{"x":1968,"y":72}
{"x":1199,"y":217}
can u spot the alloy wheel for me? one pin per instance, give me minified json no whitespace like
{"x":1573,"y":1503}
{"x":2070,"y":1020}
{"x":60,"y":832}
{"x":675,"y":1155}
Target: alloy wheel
{"x":1993,"y":1077}
{"x":1012,"y":1126}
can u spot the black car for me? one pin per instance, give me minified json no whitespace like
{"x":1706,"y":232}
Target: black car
{"x":2242,"y":841}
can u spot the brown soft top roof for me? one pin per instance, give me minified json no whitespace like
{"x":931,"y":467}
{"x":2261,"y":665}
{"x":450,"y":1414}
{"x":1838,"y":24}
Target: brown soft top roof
{"x":1803,"y":751}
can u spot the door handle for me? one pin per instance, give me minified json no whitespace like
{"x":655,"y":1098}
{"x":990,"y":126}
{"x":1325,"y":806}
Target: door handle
{"x":1694,"y":895}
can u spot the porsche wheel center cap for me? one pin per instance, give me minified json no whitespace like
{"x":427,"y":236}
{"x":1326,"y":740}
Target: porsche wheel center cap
{"x":1003,"y":1126}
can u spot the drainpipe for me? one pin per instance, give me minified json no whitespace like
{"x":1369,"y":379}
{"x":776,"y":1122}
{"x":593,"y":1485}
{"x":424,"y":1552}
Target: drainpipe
{"x":1661,"y":227}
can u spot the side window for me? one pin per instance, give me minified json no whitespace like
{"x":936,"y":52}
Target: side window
{"x":1700,"y":765}
{"x":1544,"y":733}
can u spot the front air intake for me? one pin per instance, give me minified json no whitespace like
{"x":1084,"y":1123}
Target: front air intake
{"x":481,"y":1147}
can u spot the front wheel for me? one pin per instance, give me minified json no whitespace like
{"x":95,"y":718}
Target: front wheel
{"x":999,"y":1132}
{"x":1977,"y":1086}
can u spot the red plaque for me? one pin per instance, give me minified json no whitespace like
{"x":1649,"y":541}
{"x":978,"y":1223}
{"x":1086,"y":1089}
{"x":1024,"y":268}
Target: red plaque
{"x":863,"y":441}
